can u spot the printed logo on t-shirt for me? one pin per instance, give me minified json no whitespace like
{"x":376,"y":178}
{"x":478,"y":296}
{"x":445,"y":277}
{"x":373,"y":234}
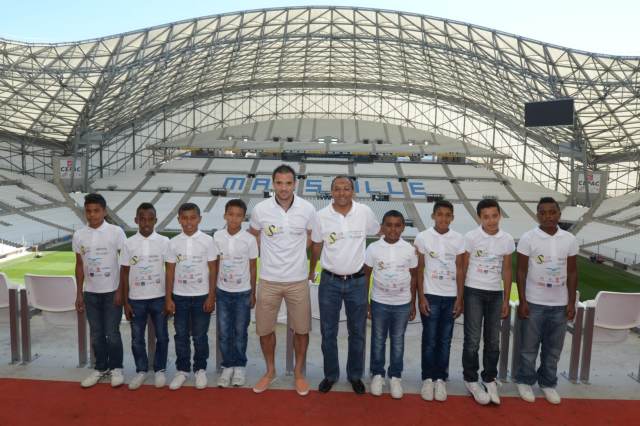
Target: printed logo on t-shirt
{"x":381,"y":265}
{"x":433,"y":254}
{"x":271,"y":230}
{"x":134,"y":260}
{"x":540,"y":259}
{"x":179,"y":258}
{"x":83,"y":250}
{"x":332,"y":238}
{"x":479,"y":253}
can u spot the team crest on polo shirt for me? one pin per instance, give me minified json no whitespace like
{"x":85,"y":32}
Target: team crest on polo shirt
{"x":540,"y":259}
{"x":134,"y":260}
{"x":179,"y":258}
{"x":479,"y":253}
{"x":83,"y":250}
{"x":433,"y":254}
{"x":380,"y":265}
{"x":271,"y":230}
{"x":332,"y":238}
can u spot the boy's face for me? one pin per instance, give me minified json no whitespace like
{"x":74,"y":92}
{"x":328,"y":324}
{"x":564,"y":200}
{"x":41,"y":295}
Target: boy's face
{"x":548,"y":215}
{"x":189,"y":221}
{"x":284,"y":185}
{"x":95,"y":214}
{"x":342,"y":192}
{"x":234,"y":217}
{"x":490,"y":219}
{"x":146,"y":221}
{"x":392,"y":228}
{"x":442,"y":217}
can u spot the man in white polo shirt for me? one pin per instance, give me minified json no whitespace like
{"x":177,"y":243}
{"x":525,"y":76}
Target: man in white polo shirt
{"x":339,"y":235}
{"x":547,"y":280}
{"x":282,"y":225}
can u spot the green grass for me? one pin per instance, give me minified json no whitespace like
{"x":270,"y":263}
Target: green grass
{"x":591,"y":277}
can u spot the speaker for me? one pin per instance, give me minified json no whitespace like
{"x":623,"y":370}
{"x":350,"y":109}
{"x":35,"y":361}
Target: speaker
{"x":558,"y":112}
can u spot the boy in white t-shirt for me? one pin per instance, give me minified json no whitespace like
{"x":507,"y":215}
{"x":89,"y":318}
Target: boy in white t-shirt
{"x":235,"y":292}
{"x":547,"y":281}
{"x":393,"y":262}
{"x":440,"y":293}
{"x":192,"y":270}
{"x":97,"y":247}
{"x":487,"y":263}
{"x":142,"y":269}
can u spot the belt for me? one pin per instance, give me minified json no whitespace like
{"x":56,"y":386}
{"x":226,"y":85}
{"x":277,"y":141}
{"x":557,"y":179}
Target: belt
{"x":358,"y":274}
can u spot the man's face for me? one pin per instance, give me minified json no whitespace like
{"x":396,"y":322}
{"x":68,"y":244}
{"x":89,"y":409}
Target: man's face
{"x":490,"y":219}
{"x":189,"y":221}
{"x":284,"y":185}
{"x":548,"y":215}
{"x":342,"y":192}
{"x":146,"y":221}
{"x":95,"y":214}
{"x":392,"y":228}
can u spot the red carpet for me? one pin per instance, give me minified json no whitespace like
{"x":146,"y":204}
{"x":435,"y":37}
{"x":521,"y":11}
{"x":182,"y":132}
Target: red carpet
{"x":31,"y":402}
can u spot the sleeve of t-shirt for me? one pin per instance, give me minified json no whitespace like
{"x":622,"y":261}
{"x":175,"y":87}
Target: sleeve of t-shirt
{"x":468,"y":243}
{"x":459,"y":248}
{"x":373,"y":226}
{"x":511,"y":246}
{"x":253,"y":248}
{"x":420,"y":244}
{"x":310,"y":218}
{"x":254,"y":221}
{"x":124,"y":256}
{"x":212,"y":250}
{"x":75,"y":243}
{"x":316,"y":229}
{"x":171,"y":255}
{"x":165,"y":252}
{"x":573,"y":248}
{"x":368,"y":257}
{"x":120,"y":241}
{"x":524,"y":246}
{"x":413,"y":262}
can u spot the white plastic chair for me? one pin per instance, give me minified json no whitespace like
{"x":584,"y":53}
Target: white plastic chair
{"x":615,"y":315}
{"x":5,"y":285}
{"x":55,"y":296}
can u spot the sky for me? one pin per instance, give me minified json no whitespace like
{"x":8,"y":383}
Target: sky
{"x":609,"y":27}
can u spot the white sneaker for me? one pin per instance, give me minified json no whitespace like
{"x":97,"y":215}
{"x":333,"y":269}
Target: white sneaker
{"x":93,"y":378}
{"x":441,"y":390}
{"x":492,"y":390}
{"x":224,"y":379}
{"x":377,"y":383}
{"x":551,"y":395}
{"x":478,"y":392}
{"x":201,"y":379}
{"x":117,"y":378}
{"x":160,"y":379}
{"x":396,"y":388}
{"x":427,"y":390}
{"x":239,"y":376}
{"x":526,"y":392}
{"x":138,"y":380}
{"x":178,"y":380}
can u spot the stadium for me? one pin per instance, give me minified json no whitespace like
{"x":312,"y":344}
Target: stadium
{"x":414,"y":109}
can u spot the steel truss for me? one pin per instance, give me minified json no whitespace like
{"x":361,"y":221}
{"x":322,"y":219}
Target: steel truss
{"x":462,"y":80}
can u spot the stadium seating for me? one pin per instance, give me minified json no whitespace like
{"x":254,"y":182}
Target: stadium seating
{"x":597,"y":231}
{"x":616,"y":203}
{"x":54,"y":295}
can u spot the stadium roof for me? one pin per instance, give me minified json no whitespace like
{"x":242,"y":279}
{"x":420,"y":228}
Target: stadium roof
{"x":51,"y":93}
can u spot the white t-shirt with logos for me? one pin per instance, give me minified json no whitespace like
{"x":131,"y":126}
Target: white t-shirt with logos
{"x":235,"y":251}
{"x":100,"y":249}
{"x":344,"y":237}
{"x":283,"y":239}
{"x":145,"y":257}
{"x":486,"y":253}
{"x":391,"y":276}
{"x":440,"y":251}
{"x":191,"y":255}
{"x":547,"y":274}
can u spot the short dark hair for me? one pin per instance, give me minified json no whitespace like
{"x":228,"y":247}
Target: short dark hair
{"x":547,"y":200}
{"x":236,"y":202}
{"x":145,"y":206}
{"x":342,"y":177}
{"x":283,"y":168}
{"x":443,"y":204}
{"x":393,"y":213}
{"x":487,"y":203}
{"x":95,"y":198}
{"x":188,"y":206}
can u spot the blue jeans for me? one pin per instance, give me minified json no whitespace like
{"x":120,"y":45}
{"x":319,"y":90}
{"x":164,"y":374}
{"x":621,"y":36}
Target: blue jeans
{"x":546,"y":327}
{"x":104,"y":328}
{"x":331,"y":294}
{"x":481,"y":316}
{"x":437,"y":330}
{"x":391,"y":321}
{"x":192,"y":321}
{"x":142,"y":310}
{"x":232,"y":319}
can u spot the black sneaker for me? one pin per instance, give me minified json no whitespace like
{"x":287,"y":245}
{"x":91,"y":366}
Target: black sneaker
{"x":358,"y":386}
{"x":325,"y":385}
